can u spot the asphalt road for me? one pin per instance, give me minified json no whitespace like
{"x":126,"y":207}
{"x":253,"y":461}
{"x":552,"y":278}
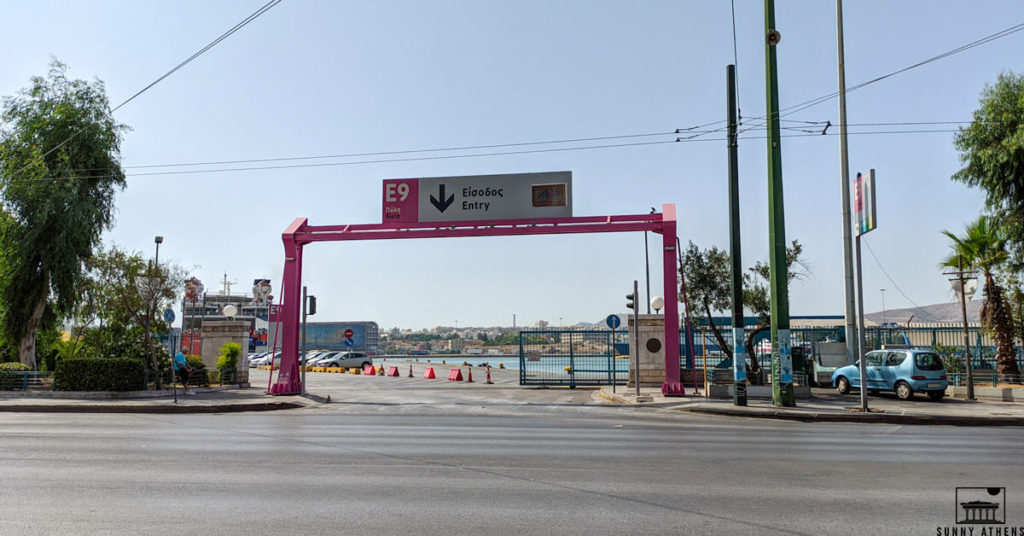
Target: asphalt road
{"x":508,"y":461}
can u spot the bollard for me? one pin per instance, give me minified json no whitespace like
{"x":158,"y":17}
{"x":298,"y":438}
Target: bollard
{"x":410,"y":370}
{"x":489,"y":382}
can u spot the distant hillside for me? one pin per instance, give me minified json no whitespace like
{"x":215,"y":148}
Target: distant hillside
{"x":938,"y":313}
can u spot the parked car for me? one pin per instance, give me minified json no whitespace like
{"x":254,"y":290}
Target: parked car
{"x":904,"y":372}
{"x":255,"y":357}
{"x":313,"y":358}
{"x":265,"y":360}
{"x":346,"y":360}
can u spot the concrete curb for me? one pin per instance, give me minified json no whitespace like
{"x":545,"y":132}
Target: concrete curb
{"x":817,"y":416}
{"x":870,"y":418}
{"x":122,"y":408}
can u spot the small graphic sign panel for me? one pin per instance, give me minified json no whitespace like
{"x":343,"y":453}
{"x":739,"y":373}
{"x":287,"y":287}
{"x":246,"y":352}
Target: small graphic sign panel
{"x":169,"y":315}
{"x":613,"y":321}
{"x":980,"y":506}
{"x":478,"y":197}
{"x":864,"y":202}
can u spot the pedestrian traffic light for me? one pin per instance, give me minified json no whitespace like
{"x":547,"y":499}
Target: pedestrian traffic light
{"x":311,"y":305}
{"x":631,"y":301}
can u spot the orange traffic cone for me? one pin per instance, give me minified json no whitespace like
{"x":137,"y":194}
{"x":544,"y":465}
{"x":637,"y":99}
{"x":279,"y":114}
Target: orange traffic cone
{"x":469,"y":375}
{"x":429,"y":374}
{"x":380,"y":370}
{"x":489,"y":382}
{"x":410,"y":370}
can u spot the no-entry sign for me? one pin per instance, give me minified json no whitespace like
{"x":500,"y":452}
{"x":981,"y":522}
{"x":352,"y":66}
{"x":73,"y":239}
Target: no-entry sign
{"x":478,"y":197}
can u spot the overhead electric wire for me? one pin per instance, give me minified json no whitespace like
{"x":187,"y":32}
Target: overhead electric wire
{"x":825,"y":98}
{"x":898,"y":289}
{"x":472,"y":155}
{"x":244,"y":22}
{"x":407,"y":151}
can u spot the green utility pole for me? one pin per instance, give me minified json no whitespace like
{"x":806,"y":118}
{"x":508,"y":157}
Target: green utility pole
{"x":739,"y":363}
{"x":782,"y":360}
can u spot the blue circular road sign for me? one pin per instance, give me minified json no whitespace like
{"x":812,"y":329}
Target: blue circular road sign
{"x":613,"y":321}
{"x":169,"y":315}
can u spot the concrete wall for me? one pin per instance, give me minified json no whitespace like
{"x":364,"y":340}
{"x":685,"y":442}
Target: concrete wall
{"x":217,"y":333}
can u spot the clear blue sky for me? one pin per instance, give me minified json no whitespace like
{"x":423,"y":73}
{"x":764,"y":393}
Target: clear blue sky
{"x":325,"y":77}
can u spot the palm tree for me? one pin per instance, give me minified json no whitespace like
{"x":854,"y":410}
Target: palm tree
{"x":983,"y":247}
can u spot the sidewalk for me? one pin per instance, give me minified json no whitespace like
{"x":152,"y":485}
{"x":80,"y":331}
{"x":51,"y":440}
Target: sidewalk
{"x":200,"y":400}
{"x":826,"y":407}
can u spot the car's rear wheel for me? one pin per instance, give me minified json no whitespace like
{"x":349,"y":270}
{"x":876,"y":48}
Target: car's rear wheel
{"x":843,"y":385}
{"x":904,"y":391}
{"x":935,"y":396}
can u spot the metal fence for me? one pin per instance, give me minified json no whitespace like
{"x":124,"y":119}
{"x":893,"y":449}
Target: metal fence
{"x":17,"y":380}
{"x":563,"y":357}
{"x":948,"y":338}
{"x":985,"y":379}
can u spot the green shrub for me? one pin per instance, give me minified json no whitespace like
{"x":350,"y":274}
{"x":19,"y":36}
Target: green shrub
{"x":99,"y":374}
{"x":196,"y":362}
{"x":199,"y":375}
{"x":229,"y":354}
{"x":14,"y":366}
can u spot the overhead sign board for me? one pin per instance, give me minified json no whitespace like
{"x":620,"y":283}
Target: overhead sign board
{"x":864,"y":202}
{"x":478,"y":197}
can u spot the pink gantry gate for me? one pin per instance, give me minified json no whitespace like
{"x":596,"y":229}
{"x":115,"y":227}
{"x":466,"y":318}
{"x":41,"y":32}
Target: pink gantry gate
{"x":300,"y":233}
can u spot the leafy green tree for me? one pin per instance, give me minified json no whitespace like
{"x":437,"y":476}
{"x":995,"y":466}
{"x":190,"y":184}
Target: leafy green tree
{"x":129,"y":295}
{"x":707,"y":285}
{"x":757,"y":296}
{"x":707,"y":274}
{"x":59,"y":170}
{"x":983,"y":247}
{"x":992,"y":152}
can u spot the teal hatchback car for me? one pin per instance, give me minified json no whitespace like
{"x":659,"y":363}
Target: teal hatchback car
{"x":904,"y":372}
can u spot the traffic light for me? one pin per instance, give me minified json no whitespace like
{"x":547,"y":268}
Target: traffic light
{"x":631,"y":301}
{"x":311,"y":305}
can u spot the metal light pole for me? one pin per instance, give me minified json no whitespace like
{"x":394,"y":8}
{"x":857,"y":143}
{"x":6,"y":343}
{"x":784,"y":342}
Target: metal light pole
{"x":152,"y":356}
{"x":852,"y":340}
{"x":782,"y":360}
{"x":739,"y":361}
{"x":959,"y":280}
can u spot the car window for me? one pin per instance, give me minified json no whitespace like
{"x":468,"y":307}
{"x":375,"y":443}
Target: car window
{"x":895,"y":359}
{"x":874,"y":359}
{"x":928,"y":362}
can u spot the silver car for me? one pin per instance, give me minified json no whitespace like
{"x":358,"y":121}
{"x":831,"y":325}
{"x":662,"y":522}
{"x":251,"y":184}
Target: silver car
{"x":346,"y":360}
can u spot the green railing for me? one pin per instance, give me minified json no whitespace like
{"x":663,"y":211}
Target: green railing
{"x":18,"y":380}
{"x":563,"y":357}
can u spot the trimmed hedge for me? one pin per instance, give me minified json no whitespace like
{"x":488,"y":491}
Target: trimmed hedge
{"x":100,"y":374}
{"x":15,"y":366}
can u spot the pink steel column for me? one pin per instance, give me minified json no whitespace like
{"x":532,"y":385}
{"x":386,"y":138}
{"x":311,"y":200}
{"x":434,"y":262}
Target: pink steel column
{"x":672,"y":386}
{"x":288,"y":380}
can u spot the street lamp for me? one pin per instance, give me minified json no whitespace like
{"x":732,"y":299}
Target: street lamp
{"x":156,"y":265}
{"x":657,"y":303}
{"x":230,"y":311}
